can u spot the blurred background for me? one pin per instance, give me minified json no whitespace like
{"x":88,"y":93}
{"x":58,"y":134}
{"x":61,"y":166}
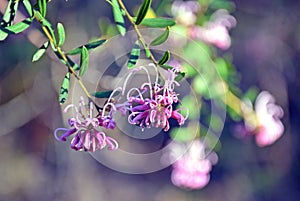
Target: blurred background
{"x":33,"y":166}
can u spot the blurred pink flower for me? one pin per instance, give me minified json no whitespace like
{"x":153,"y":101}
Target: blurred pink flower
{"x":216,"y":31}
{"x":192,"y":169}
{"x":85,"y":127}
{"x":185,"y":12}
{"x":270,"y":127}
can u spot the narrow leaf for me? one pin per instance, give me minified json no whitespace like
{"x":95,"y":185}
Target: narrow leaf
{"x":158,"y":22}
{"x":84,"y":61}
{"x":19,"y":27}
{"x":8,"y":17}
{"x":89,"y":46}
{"x":102,"y":94}
{"x":143,"y":11}
{"x":134,"y":55}
{"x":74,"y":65}
{"x":28,"y":7}
{"x":165,"y":58}
{"x":61,"y":34}
{"x":40,"y":52}
{"x":42,"y":5}
{"x":162,"y":38}
{"x":118,"y":17}
{"x":10,"y":13}
{"x":64,"y":89}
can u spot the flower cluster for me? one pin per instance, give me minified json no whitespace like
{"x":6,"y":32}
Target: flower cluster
{"x":85,"y":127}
{"x":192,"y":170}
{"x":157,"y":107}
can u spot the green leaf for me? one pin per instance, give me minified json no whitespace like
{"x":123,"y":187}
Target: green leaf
{"x":134,"y":55}
{"x":143,"y":11}
{"x":89,"y":46}
{"x":251,"y":93}
{"x":84,"y":61}
{"x":74,"y":65}
{"x":19,"y":27}
{"x":180,"y":76}
{"x":10,"y":13}
{"x":42,"y":5}
{"x":162,"y":38}
{"x":8,"y":17}
{"x":165,"y":58}
{"x":102,"y":94}
{"x":40,"y":52}
{"x":28,"y":7}
{"x":118,"y":17}
{"x":61,"y":34}
{"x":64,"y":89}
{"x":158,"y":22}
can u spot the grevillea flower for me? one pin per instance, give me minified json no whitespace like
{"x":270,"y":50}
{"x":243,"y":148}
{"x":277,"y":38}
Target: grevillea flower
{"x":158,"y":107}
{"x":85,"y":128}
{"x":192,"y":169}
{"x":270,"y":128}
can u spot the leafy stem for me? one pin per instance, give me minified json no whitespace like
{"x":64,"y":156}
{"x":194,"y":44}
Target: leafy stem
{"x":136,"y":29}
{"x":62,"y":55}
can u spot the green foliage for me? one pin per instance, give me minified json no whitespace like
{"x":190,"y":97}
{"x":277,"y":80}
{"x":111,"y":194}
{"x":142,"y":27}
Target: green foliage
{"x":42,"y":6}
{"x":162,"y":38}
{"x":28,"y":7}
{"x":84,"y":61}
{"x":251,"y":93}
{"x":165,"y":58}
{"x":118,"y":17}
{"x":88,"y":46}
{"x":143,"y":11}
{"x":134,"y":55}
{"x":17,"y":28}
{"x":8,"y":18}
{"x":192,"y":107}
{"x":61,"y":34}
{"x":40,"y":52}
{"x":102,"y":94}
{"x":158,"y":22}
{"x":64,"y":89}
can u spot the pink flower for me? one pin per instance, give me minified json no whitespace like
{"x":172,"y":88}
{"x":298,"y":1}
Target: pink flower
{"x":185,"y":12}
{"x":192,"y":169}
{"x":85,"y":127}
{"x":270,"y":128}
{"x":216,"y":31}
{"x":158,"y":108}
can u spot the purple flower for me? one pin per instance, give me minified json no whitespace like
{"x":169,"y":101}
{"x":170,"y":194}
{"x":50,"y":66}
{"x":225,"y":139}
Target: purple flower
{"x":85,"y":127}
{"x":158,"y":108}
